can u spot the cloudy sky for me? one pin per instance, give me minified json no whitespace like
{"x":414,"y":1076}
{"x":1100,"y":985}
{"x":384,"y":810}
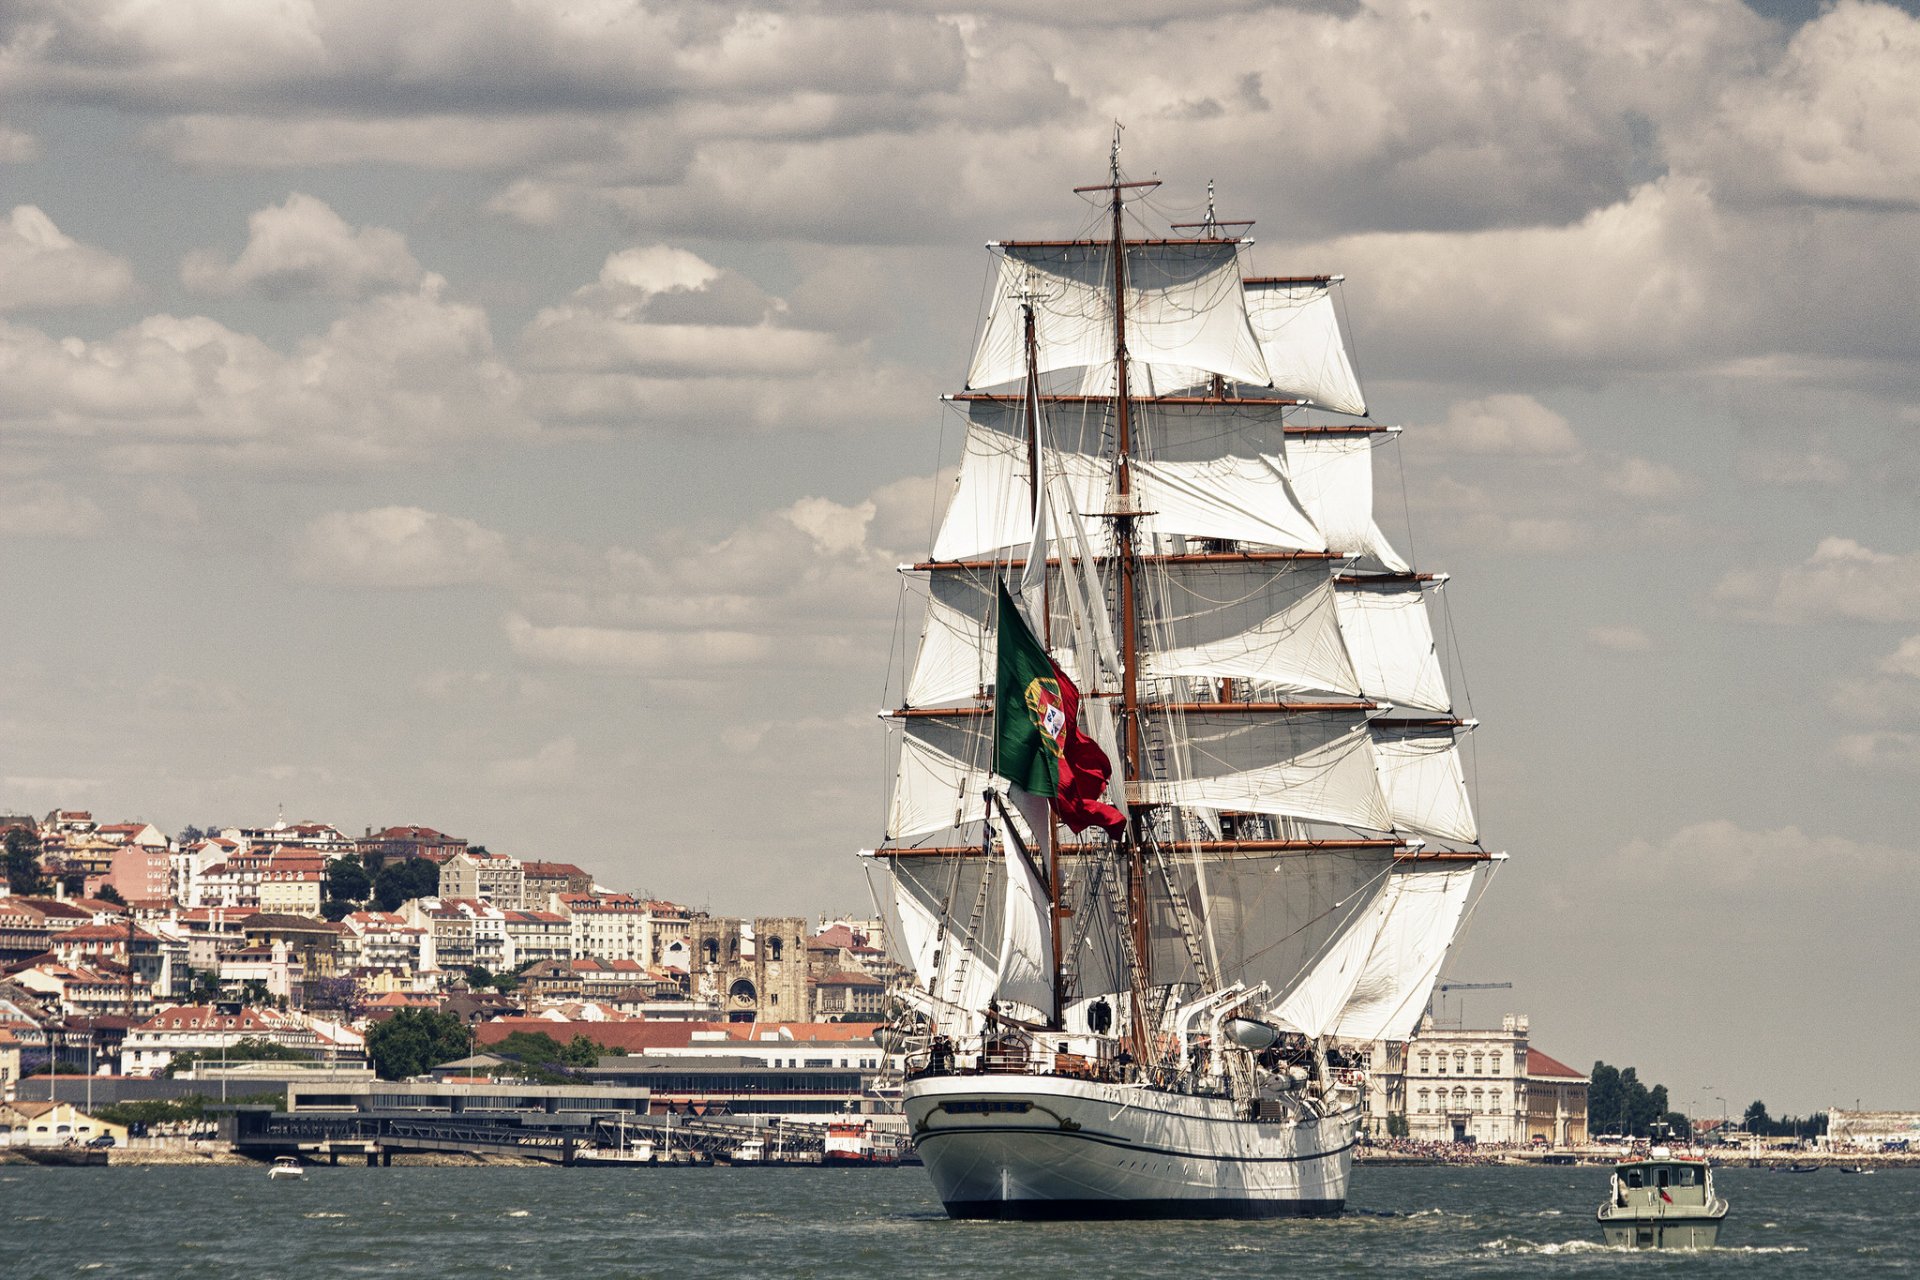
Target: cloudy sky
{"x":505,"y":417}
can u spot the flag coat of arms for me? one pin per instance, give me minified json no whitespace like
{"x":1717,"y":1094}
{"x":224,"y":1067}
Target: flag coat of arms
{"x":1038,"y":744}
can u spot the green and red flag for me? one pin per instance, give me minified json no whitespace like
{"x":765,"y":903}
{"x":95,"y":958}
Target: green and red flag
{"x":1037,"y":741}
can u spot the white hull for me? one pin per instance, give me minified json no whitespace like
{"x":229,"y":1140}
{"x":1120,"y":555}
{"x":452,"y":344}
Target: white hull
{"x":1020,"y":1146}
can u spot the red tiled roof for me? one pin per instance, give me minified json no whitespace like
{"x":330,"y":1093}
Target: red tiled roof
{"x":1539,"y":1064}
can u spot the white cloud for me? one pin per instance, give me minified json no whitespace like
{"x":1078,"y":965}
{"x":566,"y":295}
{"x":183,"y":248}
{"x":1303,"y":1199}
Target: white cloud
{"x":555,"y":762}
{"x":303,"y":247}
{"x":400,"y":547}
{"x":1835,"y":119}
{"x":1841,"y":581}
{"x":1904,"y":661}
{"x":47,"y":509}
{"x":1623,"y":638}
{"x":390,"y":378}
{"x":664,"y":338}
{"x":1719,"y":860}
{"x":42,"y":267}
{"x":1643,"y":480}
{"x":1507,"y":425}
{"x":17,"y":147}
{"x":1891,"y":751}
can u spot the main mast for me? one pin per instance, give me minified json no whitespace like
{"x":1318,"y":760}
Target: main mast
{"x":1124,"y":531}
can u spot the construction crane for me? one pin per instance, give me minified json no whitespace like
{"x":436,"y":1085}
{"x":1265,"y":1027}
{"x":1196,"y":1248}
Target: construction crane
{"x":1440,"y":994}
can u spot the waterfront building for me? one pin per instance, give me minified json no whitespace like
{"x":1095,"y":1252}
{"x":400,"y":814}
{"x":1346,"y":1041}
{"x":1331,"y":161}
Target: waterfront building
{"x":52,"y":1124}
{"x":1872,"y":1130}
{"x":1480,"y":1085}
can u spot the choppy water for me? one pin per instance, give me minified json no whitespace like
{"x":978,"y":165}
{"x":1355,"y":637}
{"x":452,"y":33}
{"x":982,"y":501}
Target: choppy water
{"x":851,"y":1224}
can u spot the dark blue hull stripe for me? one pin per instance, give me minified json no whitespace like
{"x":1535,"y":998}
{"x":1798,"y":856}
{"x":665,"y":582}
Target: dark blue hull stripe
{"x":1041,"y":1210}
{"x":928,"y":1135}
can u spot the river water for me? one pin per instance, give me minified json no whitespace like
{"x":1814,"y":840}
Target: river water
{"x":849,"y":1224}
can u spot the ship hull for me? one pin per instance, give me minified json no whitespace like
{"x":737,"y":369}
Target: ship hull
{"x":1029,"y":1147}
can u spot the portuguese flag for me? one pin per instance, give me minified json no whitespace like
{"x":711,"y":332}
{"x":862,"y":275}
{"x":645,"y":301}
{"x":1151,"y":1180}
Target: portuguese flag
{"x":1037,"y":741}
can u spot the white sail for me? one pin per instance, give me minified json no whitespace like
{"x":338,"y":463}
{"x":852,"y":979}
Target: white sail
{"x":1184,"y":306}
{"x":912,"y":930}
{"x":941,"y":775}
{"x":1300,"y":340}
{"x":1390,"y":640}
{"x":1332,"y":475}
{"x":1315,"y":766}
{"x":1424,"y":908}
{"x":1232,"y":497}
{"x":1274,"y":622}
{"x":1425,"y":787}
{"x":949,"y":914}
{"x":1274,"y":916}
{"x":1026,"y":955}
{"x":1318,"y":999}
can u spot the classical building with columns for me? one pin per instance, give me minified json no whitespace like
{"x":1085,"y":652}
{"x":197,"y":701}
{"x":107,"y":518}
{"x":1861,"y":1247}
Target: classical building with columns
{"x":1487,"y":1086}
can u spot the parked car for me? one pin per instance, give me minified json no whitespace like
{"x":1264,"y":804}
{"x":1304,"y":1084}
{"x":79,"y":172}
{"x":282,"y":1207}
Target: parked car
{"x":104,"y":1140}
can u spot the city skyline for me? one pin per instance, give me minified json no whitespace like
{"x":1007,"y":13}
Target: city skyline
{"x":508,"y":420}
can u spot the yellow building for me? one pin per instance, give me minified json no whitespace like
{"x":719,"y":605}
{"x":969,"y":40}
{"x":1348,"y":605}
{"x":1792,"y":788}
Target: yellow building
{"x":52,"y":1124}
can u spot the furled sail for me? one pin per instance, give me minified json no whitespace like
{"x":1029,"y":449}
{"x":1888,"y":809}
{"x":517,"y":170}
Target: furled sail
{"x":1421,"y":775}
{"x":1300,"y":340}
{"x":1423,"y":913}
{"x":946,"y":909}
{"x":1316,"y":766}
{"x":1184,"y":306}
{"x":1390,"y":640}
{"x":1332,"y":475}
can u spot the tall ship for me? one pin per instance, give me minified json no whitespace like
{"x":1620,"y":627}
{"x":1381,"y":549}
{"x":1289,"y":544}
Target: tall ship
{"x":1179,"y":834}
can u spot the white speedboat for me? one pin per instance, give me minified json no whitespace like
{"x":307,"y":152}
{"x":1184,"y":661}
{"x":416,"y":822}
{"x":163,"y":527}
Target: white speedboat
{"x":286,"y":1169}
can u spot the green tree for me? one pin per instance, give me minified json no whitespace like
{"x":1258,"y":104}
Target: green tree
{"x":404,"y":881}
{"x":1604,"y":1105}
{"x":334,"y":910}
{"x":347,"y":880}
{"x":110,"y":894}
{"x":479,"y":977}
{"x":1756,"y":1119}
{"x":413,"y":1041}
{"x":23,"y":862}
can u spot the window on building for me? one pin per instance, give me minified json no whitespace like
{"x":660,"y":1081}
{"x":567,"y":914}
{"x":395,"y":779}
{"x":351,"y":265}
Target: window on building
{"x":1426,"y":1063}
{"x":1479,"y":1064}
{"x":1460,"y":1062}
{"x":1424,"y":1101}
{"x":773,"y":948}
{"x":1479,"y":1100}
{"x":1494,"y":1060}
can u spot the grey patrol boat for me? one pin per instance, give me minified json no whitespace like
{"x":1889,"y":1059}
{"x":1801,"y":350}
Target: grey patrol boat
{"x":1662,"y":1201}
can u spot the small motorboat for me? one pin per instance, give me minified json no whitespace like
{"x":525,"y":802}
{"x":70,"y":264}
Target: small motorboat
{"x":1663,"y":1201}
{"x":286,"y":1169}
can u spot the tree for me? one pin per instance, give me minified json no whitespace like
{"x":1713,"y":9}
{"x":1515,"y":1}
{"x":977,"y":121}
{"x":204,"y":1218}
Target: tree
{"x":23,"y":863}
{"x":1756,"y":1119}
{"x":347,"y":879}
{"x":404,"y":881}
{"x":110,"y":894}
{"x":413,"y":1041}
{"x":479,"y":978}
{"x":1604,"y":1099}
{"x":334,"y":910}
